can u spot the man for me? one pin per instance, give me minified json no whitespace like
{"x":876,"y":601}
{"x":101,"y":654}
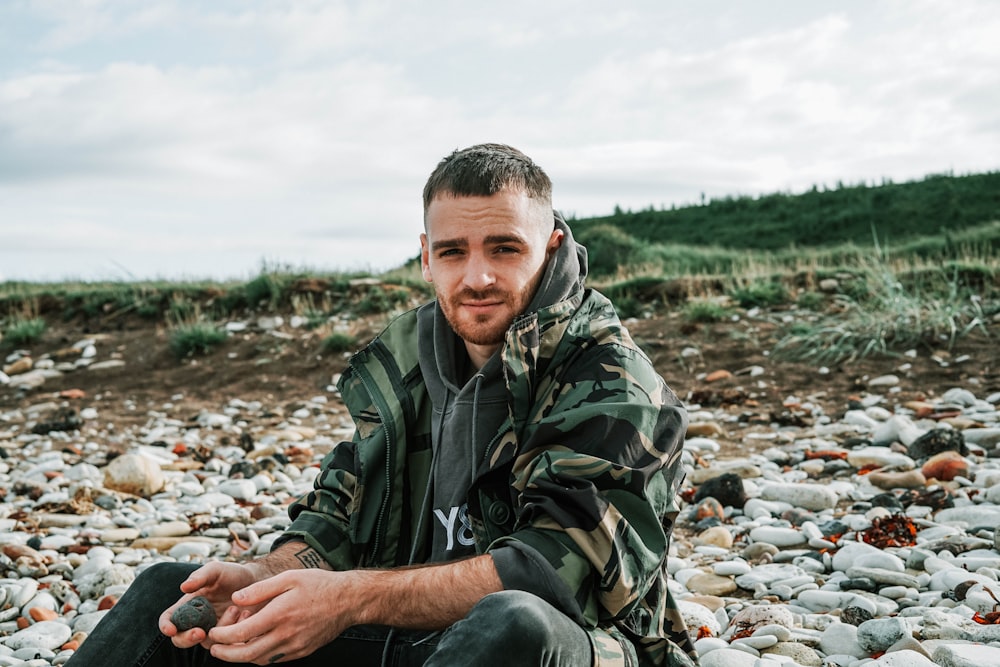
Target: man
{"x":504,"y":497}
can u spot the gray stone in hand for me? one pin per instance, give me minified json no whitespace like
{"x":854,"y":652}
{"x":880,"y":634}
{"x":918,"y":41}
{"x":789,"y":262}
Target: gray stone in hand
{"x":195,"y":613}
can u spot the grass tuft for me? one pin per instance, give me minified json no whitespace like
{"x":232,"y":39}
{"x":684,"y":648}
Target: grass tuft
{"x":881,"y":315}
{"x":195,"y":338}
{"x":704,"y":312}
{"x":24,"y":331}
{"x":339,"y":342}
{"x":761,"y":295}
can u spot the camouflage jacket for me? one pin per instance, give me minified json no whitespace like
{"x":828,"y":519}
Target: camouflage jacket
{"x":583,"y":471}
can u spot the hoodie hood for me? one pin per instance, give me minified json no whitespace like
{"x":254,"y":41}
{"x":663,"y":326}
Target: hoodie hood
{"x":565,"y":273}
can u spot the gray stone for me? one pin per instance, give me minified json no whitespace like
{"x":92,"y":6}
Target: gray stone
{"x":769,"y":574}
{"x":842,"y":638}
{"x":878,"y":634}
{"x":195,"y":613}
{"x":779,"y":536}
{"x":813,"y":497}
{"x":966,"y":655}
{"x":886,"y":577}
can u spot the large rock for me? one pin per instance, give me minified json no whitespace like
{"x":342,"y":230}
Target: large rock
{"x":45,"y":634}
{"x":131,"y":473}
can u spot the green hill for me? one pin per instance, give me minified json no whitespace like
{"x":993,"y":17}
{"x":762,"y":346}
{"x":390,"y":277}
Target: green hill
{"x":939,"y":214}
{"x":870,"y":269}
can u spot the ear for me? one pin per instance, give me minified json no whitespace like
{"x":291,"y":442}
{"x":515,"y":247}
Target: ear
{"x":425,"y":267}
{"x":555,"y":240}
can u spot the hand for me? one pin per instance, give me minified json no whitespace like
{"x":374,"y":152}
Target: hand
{"x":216,"y":581}
{"x":285,"y":617}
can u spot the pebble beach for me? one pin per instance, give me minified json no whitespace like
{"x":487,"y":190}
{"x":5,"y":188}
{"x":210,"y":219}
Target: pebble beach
{"x":864,"y":536}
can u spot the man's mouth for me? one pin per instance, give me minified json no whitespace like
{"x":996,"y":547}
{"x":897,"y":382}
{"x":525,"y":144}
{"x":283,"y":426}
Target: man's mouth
{"x":478,"y":306}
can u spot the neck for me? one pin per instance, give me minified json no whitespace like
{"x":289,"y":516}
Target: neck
{"x":480,"y":354}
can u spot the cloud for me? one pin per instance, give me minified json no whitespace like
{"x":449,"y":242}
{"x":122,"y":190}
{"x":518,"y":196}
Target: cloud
{"x":832,"y":98}
{"x":228,"y":131}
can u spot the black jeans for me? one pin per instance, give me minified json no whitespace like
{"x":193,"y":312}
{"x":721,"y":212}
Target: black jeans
{"x":507,"y":628}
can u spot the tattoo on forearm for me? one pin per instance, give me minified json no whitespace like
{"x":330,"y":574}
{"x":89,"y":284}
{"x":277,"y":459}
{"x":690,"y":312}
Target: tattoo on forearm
{"x":275,"y":658}
{"x":309,"y":558}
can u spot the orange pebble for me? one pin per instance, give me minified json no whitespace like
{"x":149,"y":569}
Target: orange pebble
{"x":107,"y":602}
{"x":40,"y":614}
{"x":715,"y":376}
{"x":710,"y":507}
{"x":945,"y":466}
{"x":71,"y":645}
{"x":22,"y":622}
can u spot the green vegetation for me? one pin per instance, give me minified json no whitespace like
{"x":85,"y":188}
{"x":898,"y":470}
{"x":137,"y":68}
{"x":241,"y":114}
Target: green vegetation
{"x":704,"y":312}
{"x":379,"y":300}
{"x":23,"y":331}
{"x":811,"y":301}
{"x":933,"y":308}
{"x":870,"y":269}
{"x":339,"y":342}
{"x":195,"y":338}
{"x":936,"y":205}
{"x":761,"y":294}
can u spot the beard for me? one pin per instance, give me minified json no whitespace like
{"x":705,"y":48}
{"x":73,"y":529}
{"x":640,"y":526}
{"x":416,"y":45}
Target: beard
{"x":484,"y":329}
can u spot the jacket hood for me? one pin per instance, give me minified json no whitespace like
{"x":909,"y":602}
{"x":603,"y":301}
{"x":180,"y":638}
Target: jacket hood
{"x":565,"y":273}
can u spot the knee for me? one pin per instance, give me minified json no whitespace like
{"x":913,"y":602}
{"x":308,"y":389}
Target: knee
{"x":514,"y":616}
{"x":514,"y":628}
{"x":162,"y":579}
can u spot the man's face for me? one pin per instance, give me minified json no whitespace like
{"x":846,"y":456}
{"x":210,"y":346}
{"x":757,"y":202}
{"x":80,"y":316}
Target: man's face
{"x":485,"y":257}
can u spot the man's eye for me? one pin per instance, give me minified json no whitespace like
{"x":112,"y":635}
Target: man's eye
{"x":506,"y":249}
{"x":449,"y":252}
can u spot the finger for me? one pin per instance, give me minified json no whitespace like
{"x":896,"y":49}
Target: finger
{"x":189,"y":638}
{"x":201,"y":578}
{"x":265,"y":650}
{"x":230,"y":616}
{"x":251,"y":648}
{"x":243,"y":627}
{"x":260,"y":592}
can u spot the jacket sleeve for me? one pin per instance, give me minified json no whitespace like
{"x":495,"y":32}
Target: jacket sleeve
{"x":594,"y":474}
{"x":321,"y":518}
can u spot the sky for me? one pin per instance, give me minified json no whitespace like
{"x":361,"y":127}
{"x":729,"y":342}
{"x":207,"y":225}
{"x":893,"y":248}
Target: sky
{"x":186,"y":140}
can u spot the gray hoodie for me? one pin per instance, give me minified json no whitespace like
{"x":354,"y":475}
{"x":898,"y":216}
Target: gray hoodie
{"x":470,"y":407}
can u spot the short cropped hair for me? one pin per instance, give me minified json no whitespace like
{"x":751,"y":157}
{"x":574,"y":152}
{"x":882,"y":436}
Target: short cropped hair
{"x":483,"y":171}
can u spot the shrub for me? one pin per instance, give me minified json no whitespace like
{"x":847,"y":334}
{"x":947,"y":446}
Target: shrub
{"x":378,"y":300}
{"x":704,"y":311}
{"x":887,"y":315}
{"x":24,"y":331}
{"x":181,"y":310}
{"x":811,"y":301}
{"x":338,"y":342}
{"x":761,"y":295}
{"x":265,"y":288}
{"x":195,"y":338}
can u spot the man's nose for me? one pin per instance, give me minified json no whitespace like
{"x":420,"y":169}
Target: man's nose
{"x":479,"y":273}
